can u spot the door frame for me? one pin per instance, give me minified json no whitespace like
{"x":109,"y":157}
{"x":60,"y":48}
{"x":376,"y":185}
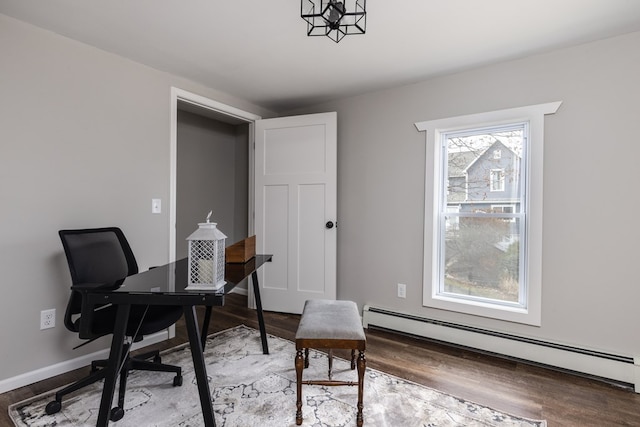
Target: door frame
{"x":219,"y":109}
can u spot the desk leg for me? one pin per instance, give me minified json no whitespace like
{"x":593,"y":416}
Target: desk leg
{"x":256,"y":294}
{"x":199,"y":365}
{"x":205,"y":326}
{"x":113,"y":368}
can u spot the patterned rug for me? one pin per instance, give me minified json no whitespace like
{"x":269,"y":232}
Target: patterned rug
{"x":250,"y":389}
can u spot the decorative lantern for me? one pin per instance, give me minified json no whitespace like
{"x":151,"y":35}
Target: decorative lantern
{"x":206,"y":257}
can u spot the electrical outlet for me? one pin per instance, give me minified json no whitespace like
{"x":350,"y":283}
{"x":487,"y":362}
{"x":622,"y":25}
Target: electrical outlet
{"x":402,"y":290}
{"x":48,"y":318}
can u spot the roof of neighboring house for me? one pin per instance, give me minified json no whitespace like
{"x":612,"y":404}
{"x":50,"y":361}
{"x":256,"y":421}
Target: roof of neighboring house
{"x":460,"y":161}
{"x":492,"y":146}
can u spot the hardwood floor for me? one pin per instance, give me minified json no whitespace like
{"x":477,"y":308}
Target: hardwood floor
{"x":506,"y":385}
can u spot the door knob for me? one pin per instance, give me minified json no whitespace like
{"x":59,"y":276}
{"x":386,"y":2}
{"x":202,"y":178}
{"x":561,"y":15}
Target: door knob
{"x":329,"y":224}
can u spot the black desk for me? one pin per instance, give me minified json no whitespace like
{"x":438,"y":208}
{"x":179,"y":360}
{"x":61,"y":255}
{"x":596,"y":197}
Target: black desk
{"x":166,"y":286}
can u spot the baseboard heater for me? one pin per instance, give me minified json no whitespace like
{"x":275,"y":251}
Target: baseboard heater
{"x":617,"y":368}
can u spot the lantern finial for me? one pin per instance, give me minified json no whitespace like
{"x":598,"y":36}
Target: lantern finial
{"x":209,"y":216}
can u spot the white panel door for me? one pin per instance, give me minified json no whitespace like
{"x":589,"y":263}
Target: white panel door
{"x":295,"y":209}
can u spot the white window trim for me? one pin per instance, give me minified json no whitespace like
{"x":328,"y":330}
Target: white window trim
{"x":534,"y":115}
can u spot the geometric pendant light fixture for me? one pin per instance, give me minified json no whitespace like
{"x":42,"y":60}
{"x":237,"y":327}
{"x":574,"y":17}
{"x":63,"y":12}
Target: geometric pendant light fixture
{"x":333,"y":18}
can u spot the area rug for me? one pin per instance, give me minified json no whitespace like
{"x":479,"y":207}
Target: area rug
{"x":250,"y":389}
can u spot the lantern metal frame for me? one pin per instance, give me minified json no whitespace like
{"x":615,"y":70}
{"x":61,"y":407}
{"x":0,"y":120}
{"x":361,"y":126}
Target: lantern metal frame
{"x":333,"y":18}
{"x":206,"y":261}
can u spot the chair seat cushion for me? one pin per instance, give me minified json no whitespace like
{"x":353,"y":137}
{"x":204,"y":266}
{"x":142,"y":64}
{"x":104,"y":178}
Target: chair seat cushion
{"x":329,"y":319}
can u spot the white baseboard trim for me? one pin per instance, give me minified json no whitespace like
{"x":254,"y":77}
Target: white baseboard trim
{"x":69,"y":365}
{"x":624,"y":369}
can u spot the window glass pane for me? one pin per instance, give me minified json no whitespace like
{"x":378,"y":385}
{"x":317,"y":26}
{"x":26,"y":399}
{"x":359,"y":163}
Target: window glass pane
{"x":480,"y":249}
{"x":482,"y":258}
{"x":484,"y":167}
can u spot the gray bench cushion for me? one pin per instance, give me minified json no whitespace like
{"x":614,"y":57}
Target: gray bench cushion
{"x":328,"y":319}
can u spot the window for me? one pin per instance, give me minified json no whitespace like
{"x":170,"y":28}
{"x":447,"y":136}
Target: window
{"x":497,"y":179}
{"x":483,"y":213}
{"x":507,"y":209}
{"x":503,"y":209}
{"x":481,"y":259}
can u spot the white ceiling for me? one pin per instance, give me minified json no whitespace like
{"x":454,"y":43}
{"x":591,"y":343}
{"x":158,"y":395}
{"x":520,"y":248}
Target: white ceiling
{"x":258,"y":50}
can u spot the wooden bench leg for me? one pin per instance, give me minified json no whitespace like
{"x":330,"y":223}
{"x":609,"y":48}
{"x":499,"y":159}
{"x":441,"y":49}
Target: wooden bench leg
{"x":362,"y":364}
{"x":330,"y":362}
{"x":306,"y":358}
{"x":300,"y":361}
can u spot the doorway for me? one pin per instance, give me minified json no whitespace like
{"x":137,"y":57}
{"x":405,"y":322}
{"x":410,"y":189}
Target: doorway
{"x":302,"y":207}
{"x":210,"y":169}
{"x":212,"y":175}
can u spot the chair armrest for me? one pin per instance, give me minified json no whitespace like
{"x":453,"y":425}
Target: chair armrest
{"x":86,"y":311}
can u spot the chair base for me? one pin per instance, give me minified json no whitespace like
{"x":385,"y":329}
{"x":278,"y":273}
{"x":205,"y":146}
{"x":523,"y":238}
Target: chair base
{"x":139,"y":363}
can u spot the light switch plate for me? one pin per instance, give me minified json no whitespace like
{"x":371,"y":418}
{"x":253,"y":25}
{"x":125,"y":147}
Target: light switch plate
{"x":156,"y":206}
{"x":402,"y":290}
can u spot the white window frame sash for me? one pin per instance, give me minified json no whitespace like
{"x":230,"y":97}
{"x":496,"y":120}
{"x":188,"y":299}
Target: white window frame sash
{"x":530,"y":311}
{"x":500,"y":181}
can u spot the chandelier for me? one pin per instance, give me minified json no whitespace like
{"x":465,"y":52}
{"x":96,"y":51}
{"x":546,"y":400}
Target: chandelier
{"x":334,"y":19}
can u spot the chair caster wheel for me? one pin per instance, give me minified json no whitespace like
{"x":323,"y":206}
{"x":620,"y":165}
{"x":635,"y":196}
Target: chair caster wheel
{"x":177,"y":381}
{"x":53,"y":407}
{"x":116,"y":414}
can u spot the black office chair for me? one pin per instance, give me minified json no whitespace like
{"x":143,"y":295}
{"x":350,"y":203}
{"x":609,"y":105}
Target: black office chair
{"x":103,"y":255}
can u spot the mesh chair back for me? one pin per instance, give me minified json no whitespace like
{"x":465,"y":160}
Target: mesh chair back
{"x":96,"y":255}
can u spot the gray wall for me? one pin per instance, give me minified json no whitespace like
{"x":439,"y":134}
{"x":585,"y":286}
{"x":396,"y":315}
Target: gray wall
{"x":212,"y":175}
{"x":590,"y":293}
{"x":84,"y":142}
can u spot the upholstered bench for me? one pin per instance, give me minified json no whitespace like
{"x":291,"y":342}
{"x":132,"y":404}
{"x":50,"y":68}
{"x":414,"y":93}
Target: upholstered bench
{"x":327,"y":324}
